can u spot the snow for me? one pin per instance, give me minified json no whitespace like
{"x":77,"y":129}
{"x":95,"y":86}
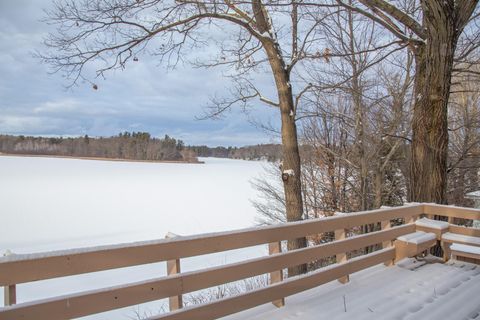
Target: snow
{"x":428,"y":292}
{"x":418,"y":237}
{"x":424,"y":238}
{"x":54,"y":203}
{"x":433,"y":224}
{"x":289,"y":172}
{"x":454,"y":237}
{"x":465,"y":248}
{"x":267,"y":34}
{"x":51,"y":204}
{"x":473,"y":195}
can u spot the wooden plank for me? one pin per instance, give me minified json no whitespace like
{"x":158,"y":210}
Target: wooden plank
{"x":9,"y":291}
{"x":452,"y":211}
{"x":173,"y":267}
{"x":446,"y":250}
{"x":405,"y":249}
{"x":410,"y":219}
{"x":459,"y":253}
{"x":105,"y":299}
{"x":341,"y":234}
{"x":26,"y":268}
{"x":288,"y":287}
{"x":9,"y":295}
{"x":473,"y":232}
{"x":438,"y":232}
{"x":387,"y":225}
{"x":175,"y":302}
{"x":467,"y":259}
{"x":276,"y":276}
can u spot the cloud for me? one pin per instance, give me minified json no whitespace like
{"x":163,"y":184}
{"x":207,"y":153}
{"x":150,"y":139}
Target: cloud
{"x":66,"y":105}
{"x":143,"y":97}
{"x":29,"y":124}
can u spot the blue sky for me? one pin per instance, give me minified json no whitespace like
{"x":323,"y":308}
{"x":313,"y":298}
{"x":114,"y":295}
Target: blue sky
{"x":143,"y":97}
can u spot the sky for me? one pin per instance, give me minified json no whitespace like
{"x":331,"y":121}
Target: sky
{"x":143,"y":97}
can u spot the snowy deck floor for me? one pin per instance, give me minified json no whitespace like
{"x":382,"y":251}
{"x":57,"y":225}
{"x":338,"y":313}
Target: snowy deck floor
{"x":412,"y":290}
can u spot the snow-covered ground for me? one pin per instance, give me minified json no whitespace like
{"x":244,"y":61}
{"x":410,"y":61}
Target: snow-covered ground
{"x":52,"y":203}
{"x":408,"y":292}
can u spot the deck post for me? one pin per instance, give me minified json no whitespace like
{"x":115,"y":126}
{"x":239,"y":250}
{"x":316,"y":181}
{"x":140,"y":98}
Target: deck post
{"x":410,"y":219}
{"x":9,"y":292}
{"x":341,"y":234}
{"x":276,"y":276}
{"x":173,"y":267}
{"x":447,"y":252}
{"x":385,"y":225}
{"x":10,"y":295}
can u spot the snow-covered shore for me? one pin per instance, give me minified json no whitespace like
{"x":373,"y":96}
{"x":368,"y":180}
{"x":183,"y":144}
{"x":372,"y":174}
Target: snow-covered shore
{"x":53,"y":204}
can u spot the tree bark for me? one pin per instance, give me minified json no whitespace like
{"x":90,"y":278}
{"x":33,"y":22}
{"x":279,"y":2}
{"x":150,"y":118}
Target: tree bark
{"x":291,"y":156}
{"x":359,"y":111}
{"x":378,"y":187}
{"x":443,"y":22}
{"x":434,"y":62}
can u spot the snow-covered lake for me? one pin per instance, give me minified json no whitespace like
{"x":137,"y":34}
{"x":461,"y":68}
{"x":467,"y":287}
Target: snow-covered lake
{"x":51,"y":204}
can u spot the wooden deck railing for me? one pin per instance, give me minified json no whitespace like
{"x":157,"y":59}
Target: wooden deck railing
{"x":451,"y":213}
{"x":16,"y":269}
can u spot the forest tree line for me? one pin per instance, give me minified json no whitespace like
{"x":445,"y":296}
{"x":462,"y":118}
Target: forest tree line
{"x":268,"y":152}
{"x":132,"y":146}
{"x":126,"y":145}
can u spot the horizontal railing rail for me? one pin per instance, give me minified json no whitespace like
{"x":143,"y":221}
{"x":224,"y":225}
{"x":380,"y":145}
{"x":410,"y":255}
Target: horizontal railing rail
{"x":286,"y":288}
{"x":17,"y":269}
{"x":464,"y":230}
{"x":105,"y":299}
{"x":451,"y":211}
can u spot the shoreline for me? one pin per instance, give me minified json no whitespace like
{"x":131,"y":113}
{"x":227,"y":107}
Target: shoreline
{"x":94,"y":158}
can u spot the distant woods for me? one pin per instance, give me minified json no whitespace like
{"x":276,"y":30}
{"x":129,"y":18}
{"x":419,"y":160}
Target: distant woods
{"x":269,"y":152}
{"x":131,"y":146}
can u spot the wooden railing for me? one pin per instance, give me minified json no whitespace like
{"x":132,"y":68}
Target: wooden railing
{"x":16,"y":269}
{"x":452,"y":212}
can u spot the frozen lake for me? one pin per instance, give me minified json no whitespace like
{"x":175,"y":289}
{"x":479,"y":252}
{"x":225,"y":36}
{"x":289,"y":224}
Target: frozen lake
{"x":51,"y":204}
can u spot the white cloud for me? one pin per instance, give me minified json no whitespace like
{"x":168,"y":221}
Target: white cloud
{"x":64,"y":105}
{"x":143,"y":97}
{"x":25,"y":124}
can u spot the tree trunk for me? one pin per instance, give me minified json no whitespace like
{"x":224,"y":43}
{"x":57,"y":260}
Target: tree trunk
{"x":378,"y":187}
{"x":356,"y":92}
{"x":291,"y":174}
{"x":291,"y":163}
{"x":434,"y":61}
{"x":291,"y":160}
{"x":333,"y":205}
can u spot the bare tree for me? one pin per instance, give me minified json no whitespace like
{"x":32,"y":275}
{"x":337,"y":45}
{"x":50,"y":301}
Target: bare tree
{"x":352,"y":123}
{"x":464,"y":144}
{"x":391,"y":140}
{"x":432,"y":30}
{"x":107,"y":35}
{"x":366,"y":96}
